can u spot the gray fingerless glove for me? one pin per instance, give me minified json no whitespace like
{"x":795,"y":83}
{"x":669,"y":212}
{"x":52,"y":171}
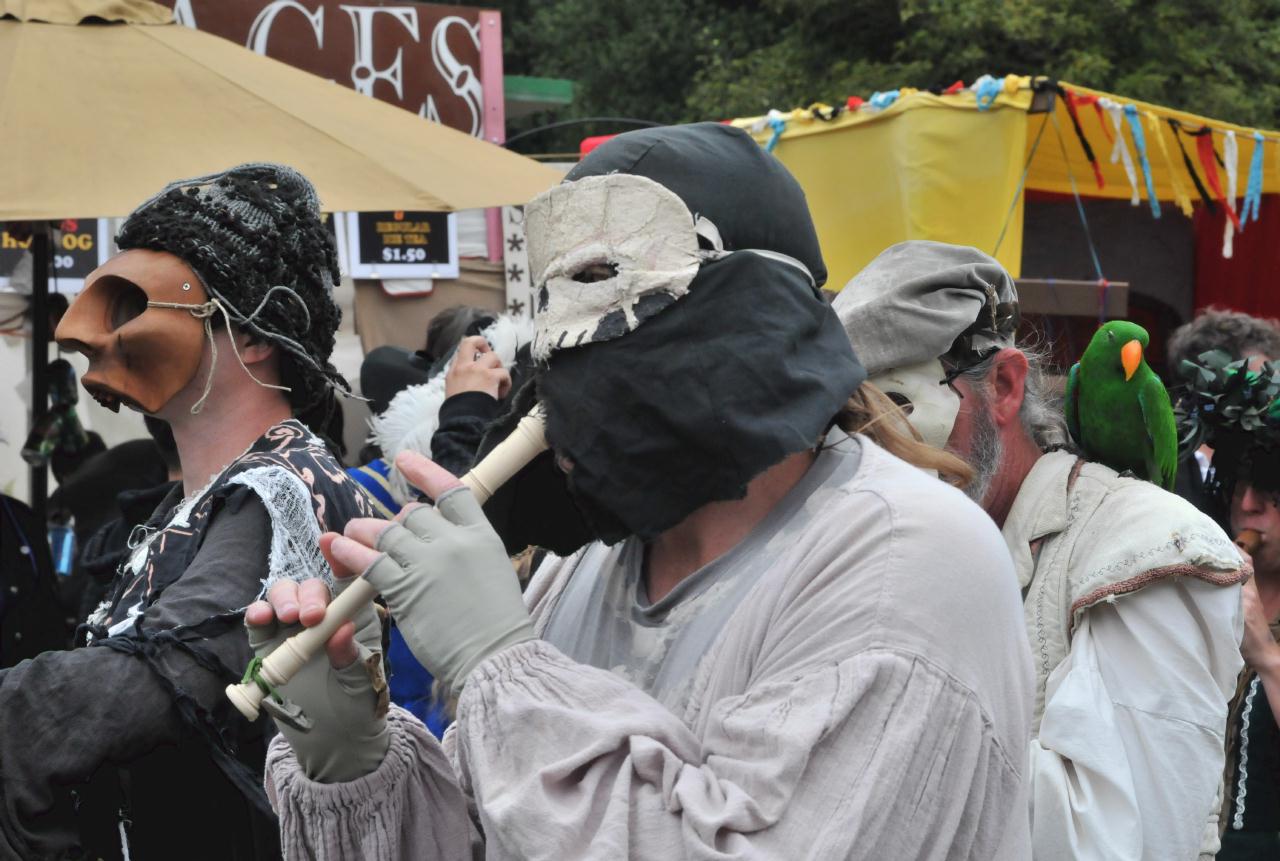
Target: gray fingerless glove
{"x":347,"y":707}
{"x":449,"y":585}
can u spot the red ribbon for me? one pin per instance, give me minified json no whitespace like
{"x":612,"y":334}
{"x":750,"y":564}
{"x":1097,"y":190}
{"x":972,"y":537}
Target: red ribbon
{"x":1204,"y":149}
{"x":1071,"y":100}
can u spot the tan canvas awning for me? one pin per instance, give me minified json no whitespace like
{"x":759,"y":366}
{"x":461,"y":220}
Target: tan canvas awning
{"x":102,"y":102}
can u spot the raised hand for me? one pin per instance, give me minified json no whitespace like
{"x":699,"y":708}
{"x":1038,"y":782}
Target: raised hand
{"x":444,"y":574}
{"x":343,"y":694}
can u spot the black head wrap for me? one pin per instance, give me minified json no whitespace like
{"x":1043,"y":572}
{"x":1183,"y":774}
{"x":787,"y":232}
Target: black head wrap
{"x":747,"y":368}
{"x":255,"y":237}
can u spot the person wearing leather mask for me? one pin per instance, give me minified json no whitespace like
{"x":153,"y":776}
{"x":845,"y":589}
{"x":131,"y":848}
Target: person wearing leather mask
{"x":764,"y":649}
{"x":217,"y":317}
{"x":1131,"y":596}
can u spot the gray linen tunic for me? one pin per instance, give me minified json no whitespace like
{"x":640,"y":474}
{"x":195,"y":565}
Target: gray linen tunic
{"x":867,"y":694}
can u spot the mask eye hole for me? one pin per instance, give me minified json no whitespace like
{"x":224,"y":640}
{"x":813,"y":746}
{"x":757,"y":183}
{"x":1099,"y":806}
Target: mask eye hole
{"x":903,"y":402}
{"x":596,"y":272}
{"x":128,"y":301}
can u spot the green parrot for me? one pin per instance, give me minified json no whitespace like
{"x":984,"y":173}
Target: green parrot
{"x":1117,"y":409}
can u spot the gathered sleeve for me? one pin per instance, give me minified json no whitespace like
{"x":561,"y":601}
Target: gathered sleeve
{"x":65,"y":714}
{"x":1129,"y":757}
{"x":879,"y":755}
{"x":409,"y":808}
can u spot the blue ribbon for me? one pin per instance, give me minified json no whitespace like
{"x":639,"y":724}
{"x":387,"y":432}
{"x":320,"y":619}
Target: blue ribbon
{"x":880,"y":101}
{"x":1253,"y":191}
{"x":779,"y":125}
{"x":986,"y":89}
{"x":1140,"y":144}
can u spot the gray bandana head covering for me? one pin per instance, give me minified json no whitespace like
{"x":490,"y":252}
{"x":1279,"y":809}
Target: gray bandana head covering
{"x":912,"y":303}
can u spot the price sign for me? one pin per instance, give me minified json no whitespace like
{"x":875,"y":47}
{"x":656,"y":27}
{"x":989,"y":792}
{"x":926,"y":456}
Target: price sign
{"x":78,"y":248}
{"x":391,"y":245}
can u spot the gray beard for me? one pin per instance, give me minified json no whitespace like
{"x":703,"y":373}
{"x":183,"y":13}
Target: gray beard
{"x":986,"y":454}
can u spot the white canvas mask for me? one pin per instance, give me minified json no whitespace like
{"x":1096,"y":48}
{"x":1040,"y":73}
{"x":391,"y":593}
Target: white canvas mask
{"x":608,"y":252}
{"x":636,"y":227}
{"x":933,"y":404}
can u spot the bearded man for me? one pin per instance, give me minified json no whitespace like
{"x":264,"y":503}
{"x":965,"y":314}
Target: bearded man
{"x":763,"y":650}
{"x":1131,"y":596}
{"x":217,"y":316}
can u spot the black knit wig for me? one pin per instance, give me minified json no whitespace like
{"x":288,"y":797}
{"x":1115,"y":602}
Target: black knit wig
{"x":255,"y":237}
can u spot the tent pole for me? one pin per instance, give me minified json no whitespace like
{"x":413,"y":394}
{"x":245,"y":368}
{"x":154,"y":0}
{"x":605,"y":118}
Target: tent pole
{"x":39,"y":355}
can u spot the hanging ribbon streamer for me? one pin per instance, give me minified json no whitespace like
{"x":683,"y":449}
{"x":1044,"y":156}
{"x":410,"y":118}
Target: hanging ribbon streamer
{"x":1253,"y":191}
{"x":1097,"y":108}
{"x":1140,"y":144}
{"x":1207,"y":154}
{"x":1120,"y":151}
{"x":1179,"y":190}
{"x":779,"y":125}
{"x":1069,"y":99}
{"x":985,"y":90}
{"x":1231,"y":155}
{"x":880,"y":101}
{"x":1186,"y":160}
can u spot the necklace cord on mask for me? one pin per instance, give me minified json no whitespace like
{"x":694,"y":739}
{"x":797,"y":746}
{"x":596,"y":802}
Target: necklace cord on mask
{"x":205,"y":312}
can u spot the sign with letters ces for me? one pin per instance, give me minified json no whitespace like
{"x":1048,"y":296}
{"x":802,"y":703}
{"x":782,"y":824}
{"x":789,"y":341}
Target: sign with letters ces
{"x":421,"y":57}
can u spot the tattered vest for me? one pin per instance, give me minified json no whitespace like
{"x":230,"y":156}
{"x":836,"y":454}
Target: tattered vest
{"x":1080,"y":534}
{"x":304,"y":490}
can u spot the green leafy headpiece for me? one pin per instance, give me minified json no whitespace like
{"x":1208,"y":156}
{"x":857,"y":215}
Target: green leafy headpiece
{"x":1236,"y":412}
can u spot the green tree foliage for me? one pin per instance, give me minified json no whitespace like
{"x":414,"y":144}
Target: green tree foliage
{"x":684,"y":60}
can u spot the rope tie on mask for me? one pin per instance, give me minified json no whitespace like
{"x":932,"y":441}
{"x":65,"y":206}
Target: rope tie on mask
{"x":205,"y":311}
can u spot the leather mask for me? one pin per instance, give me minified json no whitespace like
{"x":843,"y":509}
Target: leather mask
{"x":139,"y":356}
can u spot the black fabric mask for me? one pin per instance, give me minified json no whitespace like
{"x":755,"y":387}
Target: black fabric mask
{"x":748,"y":368}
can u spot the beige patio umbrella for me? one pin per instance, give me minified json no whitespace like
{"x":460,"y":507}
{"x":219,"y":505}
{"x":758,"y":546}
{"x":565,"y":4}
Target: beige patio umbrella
{"x":95,"y":117}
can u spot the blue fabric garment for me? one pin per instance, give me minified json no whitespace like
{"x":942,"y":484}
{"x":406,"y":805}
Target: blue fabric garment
{"x":411,"y":684}
{"x":373,"y":478}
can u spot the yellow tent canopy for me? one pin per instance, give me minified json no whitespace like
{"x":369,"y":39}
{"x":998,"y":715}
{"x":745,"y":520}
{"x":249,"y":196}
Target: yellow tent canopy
{"x":937,"y":167}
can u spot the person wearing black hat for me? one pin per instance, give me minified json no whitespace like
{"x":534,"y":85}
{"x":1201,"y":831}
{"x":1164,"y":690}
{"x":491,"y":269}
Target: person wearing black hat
{"x":216,"y":316}
{"x":763,"y":648}
{"x":1131,"y":596}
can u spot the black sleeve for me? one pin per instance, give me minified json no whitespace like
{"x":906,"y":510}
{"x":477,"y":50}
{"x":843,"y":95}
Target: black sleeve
{"x":64,"y":714}
{"x":462,"y":423}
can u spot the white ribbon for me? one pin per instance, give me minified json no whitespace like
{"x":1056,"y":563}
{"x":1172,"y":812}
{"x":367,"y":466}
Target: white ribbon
{"x":1120,"y":151}
{"x":1231,"y":156}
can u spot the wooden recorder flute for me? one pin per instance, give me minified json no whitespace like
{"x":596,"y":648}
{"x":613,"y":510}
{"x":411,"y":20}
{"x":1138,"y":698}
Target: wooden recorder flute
{"x":1248,"y":540}
{"x":526,"y":442}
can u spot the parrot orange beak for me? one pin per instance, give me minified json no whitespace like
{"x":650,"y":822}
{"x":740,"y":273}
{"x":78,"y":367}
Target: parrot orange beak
{"x":1131,"y":358}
